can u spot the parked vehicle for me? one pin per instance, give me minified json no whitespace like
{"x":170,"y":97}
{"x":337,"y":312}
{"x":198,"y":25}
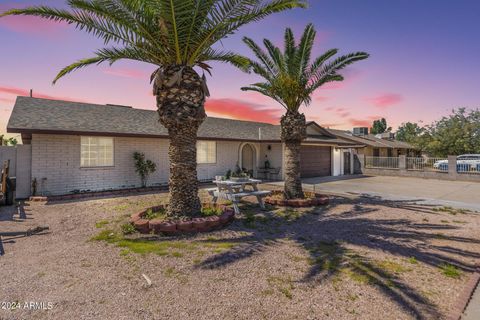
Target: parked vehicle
{"x":465,"y":162}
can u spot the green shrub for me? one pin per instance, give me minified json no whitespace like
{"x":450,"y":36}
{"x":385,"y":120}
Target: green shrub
{"x":210,"y":211}
{"x":101,"y":223}
{"x":450,"y":271}
{"x":149,"y":215}
{"x":128,"y":228}
{"x":143,"y":167}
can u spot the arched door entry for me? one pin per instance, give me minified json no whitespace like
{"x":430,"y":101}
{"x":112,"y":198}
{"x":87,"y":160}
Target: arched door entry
{"x":248,"y":158}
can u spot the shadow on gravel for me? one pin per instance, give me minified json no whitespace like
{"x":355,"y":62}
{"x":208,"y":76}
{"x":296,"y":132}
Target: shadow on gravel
{"x":9,"y":213}
{"x":324,"y":236}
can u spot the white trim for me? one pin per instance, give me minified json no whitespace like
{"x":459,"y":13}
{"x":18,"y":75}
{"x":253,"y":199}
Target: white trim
{"x":256,"y":150}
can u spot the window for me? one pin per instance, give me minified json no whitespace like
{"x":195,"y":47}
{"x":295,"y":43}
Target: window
{"x":96,"y":152}
{"x":206,"y":152}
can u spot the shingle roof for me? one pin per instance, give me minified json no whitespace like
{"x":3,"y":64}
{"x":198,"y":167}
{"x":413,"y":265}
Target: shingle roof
{"x":371,"y":140}
{"x":34,"y":115}
{"x":42,"y":115}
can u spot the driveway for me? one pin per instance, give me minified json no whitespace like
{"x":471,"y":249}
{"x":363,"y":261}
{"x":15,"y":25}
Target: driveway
{"x":457,"y":194}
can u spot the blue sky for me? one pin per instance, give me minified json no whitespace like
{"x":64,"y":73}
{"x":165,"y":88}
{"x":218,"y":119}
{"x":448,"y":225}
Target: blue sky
{"x":424,"y":62}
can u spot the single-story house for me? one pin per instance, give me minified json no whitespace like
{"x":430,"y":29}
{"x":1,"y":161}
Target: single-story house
{"x":382,"y":145}
{"x":78,"y":146}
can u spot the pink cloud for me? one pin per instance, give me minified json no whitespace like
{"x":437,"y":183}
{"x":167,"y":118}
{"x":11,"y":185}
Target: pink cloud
{"x":320,"y":98}
{"x":242,"y":110}
{"x":385,"y":100}
{"x":350,"y":76}
{"x":29,"y":24}
{"x":338,"y":111}
{"x":22,"y":92}
{"x":8,"y":100}
{"x":363,"y":122}
{"x":258,"y":97}
{"x":126,"y":73}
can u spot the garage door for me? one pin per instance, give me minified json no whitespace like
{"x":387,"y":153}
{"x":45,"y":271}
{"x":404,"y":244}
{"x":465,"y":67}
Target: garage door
{"x":315,"y":161}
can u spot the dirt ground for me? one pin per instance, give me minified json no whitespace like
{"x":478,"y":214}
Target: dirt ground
{"x":361,"y":258}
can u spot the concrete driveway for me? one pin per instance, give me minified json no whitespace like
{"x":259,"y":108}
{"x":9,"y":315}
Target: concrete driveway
{"x":457,"y":194}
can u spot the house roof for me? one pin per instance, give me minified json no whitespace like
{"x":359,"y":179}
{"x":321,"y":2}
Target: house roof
{"x":371,"y":140}
{"x":34,"y":115}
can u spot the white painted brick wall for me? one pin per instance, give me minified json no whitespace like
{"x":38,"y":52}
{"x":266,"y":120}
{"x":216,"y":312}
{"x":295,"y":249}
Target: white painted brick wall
{"x":274,"y":155}
{"x":57,"y":158}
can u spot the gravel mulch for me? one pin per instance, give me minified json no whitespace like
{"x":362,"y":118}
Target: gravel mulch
{"x":354,"y":259}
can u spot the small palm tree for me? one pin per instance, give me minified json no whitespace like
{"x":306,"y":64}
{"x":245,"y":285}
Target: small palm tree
{"x":175,"y":36}
{"x":290,"y":79}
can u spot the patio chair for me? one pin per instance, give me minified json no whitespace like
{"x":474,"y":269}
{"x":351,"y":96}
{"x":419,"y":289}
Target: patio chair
{"x":263,"y":172}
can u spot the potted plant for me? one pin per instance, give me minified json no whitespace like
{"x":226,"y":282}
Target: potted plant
{"x":239,"y":176}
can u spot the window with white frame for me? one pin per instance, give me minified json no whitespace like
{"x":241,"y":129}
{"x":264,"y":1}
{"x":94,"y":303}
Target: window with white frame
{"x":206,"y":152}
{"x":96,"y":152}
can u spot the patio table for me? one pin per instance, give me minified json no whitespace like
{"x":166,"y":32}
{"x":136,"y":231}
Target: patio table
{"x":235,"y":190}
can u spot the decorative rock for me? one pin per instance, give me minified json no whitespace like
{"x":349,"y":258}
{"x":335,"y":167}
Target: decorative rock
{"x":172,"y":227}
{"x":199,"y":224}
{"x":309,"y":202}
{"x":136,"y":216}
{"x":212,"y":222}
{"x":159,"y":226}
{"x":142,"y":225}
{"x":185,"y":225}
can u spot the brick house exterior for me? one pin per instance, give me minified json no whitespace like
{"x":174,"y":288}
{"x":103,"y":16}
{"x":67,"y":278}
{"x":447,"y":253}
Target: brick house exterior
{"x":55,"y":130}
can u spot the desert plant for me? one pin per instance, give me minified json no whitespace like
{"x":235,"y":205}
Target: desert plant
{"x":175,"y":36}
{"x":143,"y":167}
{"x":291,"y":78}
{"x":211,"y":211}
{"x":128,"y":228}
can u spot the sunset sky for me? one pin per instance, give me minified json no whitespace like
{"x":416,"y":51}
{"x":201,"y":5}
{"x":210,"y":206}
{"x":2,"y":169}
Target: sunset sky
{"x":424,"y":62}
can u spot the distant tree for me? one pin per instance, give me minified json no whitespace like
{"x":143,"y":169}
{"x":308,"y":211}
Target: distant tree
{"x":457,"y":133}
{"x":409,"y":132}
{"x":380,"y":126}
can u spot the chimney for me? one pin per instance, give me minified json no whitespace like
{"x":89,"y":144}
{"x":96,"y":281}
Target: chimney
{"x":31,"y":93}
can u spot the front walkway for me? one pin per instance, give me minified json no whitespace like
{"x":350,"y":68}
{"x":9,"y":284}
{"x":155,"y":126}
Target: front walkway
{"x":458,"y":194}
{"x":473,"y":309}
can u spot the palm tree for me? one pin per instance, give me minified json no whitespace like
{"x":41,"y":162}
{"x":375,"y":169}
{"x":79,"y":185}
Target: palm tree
{"x":290,"y":79}
{"x":175,"y":36}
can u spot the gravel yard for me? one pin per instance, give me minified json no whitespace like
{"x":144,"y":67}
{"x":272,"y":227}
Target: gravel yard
{"x":357,"y":258}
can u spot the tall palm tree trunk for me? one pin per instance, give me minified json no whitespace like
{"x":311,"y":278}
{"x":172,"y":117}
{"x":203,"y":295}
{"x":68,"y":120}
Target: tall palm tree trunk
{"x":294,"y":131}
{"x":180,"y":100}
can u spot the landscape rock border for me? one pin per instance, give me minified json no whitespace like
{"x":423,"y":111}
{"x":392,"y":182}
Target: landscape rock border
{"x":201,"y":224}
{"x":93,"y":194}
{"x":465,"y":296}
{"x":319,"y":200}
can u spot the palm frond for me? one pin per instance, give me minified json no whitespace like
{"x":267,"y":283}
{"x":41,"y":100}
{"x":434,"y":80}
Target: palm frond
{"x":329,"y":71}
{"x":303,"y":53}
{"x":163,"y":32}
{"x":291,"y":77}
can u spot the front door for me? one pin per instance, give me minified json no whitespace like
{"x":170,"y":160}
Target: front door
{"x":346,"y":163}
{"x":248,"y":158}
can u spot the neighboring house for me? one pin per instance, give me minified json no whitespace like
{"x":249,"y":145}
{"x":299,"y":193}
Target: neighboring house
{"x":382,"y":145}
{"x":79,"y":147}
